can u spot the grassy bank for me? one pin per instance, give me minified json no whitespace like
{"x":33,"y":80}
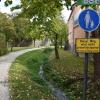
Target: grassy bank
{"x":67,"y":74}
{"x":18,"y":48}
{"x":5,"y":50}
{"x":24,"y":80}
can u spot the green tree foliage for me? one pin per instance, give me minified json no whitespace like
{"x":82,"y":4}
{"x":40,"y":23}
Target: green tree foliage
{"x":55,"y":29}
{"x":59,"y":33}
{"x":22,"y":28}
{"x":8,"y":2}
{"x":3,"y":48}
{"x":35,"y":33}
{"x":43,"y":12}
{"x":63,"y":34}
{"x":65,"y":2}
{"x":41,"y":9}
{"x":7,"y":28}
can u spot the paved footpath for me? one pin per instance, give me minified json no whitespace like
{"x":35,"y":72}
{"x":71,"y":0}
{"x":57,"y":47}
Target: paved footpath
{"x":5,"y":63}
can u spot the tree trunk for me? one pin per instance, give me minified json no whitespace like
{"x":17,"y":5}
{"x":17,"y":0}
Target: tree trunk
{"x":56,"y":46}
{"x":11,"y":48}
{"x":61,"y":42}
{"x":34,"y":41}
{"x":6,"y":41}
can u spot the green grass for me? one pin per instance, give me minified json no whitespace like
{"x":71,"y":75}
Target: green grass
{"x":24,"y":80}
{"x":67,"y":74}
{"x":18,"y":48}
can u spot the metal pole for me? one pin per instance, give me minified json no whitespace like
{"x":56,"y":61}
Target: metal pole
{"x":85,"y":73}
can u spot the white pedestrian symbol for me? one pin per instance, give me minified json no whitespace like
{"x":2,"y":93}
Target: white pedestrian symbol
{"x":88,"y":21}
{"x":92,"y":24}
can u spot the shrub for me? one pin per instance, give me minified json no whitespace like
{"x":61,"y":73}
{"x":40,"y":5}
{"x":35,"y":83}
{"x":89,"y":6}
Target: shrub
{"x":3,"y":47}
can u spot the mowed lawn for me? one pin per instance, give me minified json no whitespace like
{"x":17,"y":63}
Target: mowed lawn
{"x":24,"y":80}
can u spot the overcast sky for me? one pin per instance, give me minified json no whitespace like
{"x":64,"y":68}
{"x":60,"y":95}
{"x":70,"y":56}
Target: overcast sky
{"x":7,"y":9}
{"x":65,"y":12}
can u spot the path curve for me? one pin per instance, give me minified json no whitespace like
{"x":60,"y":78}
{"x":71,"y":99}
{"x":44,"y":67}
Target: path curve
{"x":5,"y":63}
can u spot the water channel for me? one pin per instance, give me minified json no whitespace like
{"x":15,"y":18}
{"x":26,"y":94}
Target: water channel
{"x":56,"y":92}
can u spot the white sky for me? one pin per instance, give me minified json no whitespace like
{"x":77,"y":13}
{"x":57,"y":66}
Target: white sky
{"x":65,"y":12}
{"x":7,"y":9}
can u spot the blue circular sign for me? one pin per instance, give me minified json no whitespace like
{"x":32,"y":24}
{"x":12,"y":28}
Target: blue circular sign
{"x":88,"y":20}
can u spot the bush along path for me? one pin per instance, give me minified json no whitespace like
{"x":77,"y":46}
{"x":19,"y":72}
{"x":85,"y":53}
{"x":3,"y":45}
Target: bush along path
{"x":5,"y":63}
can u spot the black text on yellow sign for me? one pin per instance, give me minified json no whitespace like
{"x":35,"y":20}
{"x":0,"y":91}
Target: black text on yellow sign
{"x":87,"y":45}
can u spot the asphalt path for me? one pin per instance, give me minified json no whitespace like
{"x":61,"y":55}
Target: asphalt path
{"x":5,"y":63}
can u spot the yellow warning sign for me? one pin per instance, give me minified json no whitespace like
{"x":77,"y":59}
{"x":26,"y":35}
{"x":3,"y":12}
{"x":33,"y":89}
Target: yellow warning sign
{"x":87,"y":45}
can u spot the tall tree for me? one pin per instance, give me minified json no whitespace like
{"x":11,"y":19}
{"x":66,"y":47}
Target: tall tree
{"x":35,"y":33}
{"x":3,"y":48}
{"x":22,"y":28}
{"x":7,"y":27}
{"x":63,"y":33}
{"x":56,"y":30}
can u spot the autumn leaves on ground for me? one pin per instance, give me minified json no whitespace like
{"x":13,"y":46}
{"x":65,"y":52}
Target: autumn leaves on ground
{"x":42,"y":21}
{"x":65,"y":73}
{"x":24,"y":79}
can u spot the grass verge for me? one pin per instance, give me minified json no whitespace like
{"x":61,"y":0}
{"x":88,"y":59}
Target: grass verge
{"x":18,"y":48}
{"x":24,"y":80}
{"x":67,"y":74}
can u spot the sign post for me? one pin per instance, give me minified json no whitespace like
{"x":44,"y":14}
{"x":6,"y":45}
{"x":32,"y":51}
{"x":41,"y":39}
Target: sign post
{"x":85,"y":74}
{"x":88,"y":21}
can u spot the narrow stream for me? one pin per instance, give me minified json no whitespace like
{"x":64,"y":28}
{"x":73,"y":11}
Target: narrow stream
{"x":57,"y":92}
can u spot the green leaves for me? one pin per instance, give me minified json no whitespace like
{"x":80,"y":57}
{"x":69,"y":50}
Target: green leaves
{"x":7,"y":26}
{"x":16,"y":7}
{"x":8,"y":2}
{"x":22,"y":27}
